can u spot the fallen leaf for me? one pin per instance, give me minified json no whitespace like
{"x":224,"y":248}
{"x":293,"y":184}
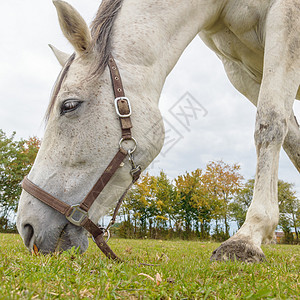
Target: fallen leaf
{"x":35,"y":250}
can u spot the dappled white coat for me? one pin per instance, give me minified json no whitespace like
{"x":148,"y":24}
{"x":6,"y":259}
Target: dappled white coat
{"x":258,"y":43}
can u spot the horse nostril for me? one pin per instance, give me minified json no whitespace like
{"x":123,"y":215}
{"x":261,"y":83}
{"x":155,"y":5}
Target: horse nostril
{"x":28,"y":234}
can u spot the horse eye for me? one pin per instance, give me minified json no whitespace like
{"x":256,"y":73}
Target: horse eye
{"x":69,"y":105}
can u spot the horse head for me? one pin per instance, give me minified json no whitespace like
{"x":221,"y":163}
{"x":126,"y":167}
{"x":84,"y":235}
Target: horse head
{"x":83,"y":132}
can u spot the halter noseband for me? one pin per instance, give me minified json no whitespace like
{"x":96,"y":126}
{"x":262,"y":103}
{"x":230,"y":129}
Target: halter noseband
{"x":78,"y":214}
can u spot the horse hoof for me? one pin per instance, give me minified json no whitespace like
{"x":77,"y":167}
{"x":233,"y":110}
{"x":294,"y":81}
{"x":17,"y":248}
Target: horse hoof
{"x":240,"y":250}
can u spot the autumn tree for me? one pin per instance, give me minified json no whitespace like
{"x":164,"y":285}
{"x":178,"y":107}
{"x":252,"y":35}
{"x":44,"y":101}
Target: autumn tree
{"x":192,"y":203}
{"x":140,"y":203}
{"x":148,"y":207}
{"x":223,"y":182}
{"x":157,"y":208}
{"x":16,"y":160}
{"x":165,"y":203}
{"x":126,"y":228}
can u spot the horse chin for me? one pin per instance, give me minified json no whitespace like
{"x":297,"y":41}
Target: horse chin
{"x":66,"y":238}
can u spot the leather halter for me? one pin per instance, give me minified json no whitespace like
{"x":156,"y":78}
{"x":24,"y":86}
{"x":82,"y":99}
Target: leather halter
{"x":78,"y":214}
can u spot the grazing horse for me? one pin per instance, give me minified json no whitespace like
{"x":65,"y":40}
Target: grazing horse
{"x":258,"y":42}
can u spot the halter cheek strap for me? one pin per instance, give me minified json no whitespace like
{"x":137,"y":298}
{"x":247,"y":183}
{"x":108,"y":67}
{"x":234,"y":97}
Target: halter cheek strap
{"x":78,"y":214}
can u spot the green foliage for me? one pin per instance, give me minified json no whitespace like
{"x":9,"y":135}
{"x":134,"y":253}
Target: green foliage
{"x":289,"y":207}
{"x":148,"y":207}
{"x":189,"y":207}
{"x":242,"y":202}
{"x":16,"y":159}
{"x":223,"y":182}
{"x":193,"y":204}
{"x":183,"y":266}
{"x":158,"y":208}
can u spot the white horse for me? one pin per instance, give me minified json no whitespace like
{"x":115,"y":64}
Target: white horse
{"x":258,"y":42}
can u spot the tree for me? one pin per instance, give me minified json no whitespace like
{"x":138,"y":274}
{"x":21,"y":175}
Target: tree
{"x":193,"y":206}
{"x":241,"y":203}
{"x":165,"y":203}
{"x":126,"y":229}
{"x":289,"y":207}
{"x":157,"y":208}
{"x":185,"y":190}
{"x":16,"y":160}
{"x":139,"y":206}
{"x":223,"y":182}
{"x":148,"y":207}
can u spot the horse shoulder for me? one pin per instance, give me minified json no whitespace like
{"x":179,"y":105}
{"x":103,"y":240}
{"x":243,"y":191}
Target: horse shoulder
{"x":238,"y":36}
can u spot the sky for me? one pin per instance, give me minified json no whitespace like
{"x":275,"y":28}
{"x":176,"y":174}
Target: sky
{"x":205,"y":118}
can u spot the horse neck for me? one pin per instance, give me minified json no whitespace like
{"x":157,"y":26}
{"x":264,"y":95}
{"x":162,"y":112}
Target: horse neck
{"x":149,"y":37}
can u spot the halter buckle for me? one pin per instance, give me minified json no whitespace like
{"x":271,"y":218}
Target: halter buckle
{"x":117,"y":108}
{"x":77,"y":215}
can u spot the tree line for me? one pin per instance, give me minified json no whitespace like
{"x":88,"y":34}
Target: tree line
{"x":202,"y":204}
{"x":199,"y":204}
{"x":16,"y":160}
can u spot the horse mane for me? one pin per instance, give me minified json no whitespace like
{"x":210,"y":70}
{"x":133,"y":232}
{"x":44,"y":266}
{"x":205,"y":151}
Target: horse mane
{"x":101,"y":28}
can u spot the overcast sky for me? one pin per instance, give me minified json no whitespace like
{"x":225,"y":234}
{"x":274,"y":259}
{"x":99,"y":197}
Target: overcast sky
{"x":220,"y":125}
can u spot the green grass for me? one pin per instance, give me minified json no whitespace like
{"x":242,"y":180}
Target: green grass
{"x":184,"y":267}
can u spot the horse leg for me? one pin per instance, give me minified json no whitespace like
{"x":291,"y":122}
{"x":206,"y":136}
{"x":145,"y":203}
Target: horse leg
{"x":249,"y":87}
{"x":291,"y":143}
{"x":277,"y":93}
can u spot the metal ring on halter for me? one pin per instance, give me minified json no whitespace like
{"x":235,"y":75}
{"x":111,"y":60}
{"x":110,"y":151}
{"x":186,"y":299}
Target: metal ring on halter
{"x":104,"y":230}
{"x":130,"y":151}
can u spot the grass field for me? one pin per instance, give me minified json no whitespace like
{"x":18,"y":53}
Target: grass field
{"x":176,"y":270}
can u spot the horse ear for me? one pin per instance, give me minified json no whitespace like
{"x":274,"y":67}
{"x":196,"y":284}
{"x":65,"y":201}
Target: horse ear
{"x":73,"y":26}
{"x":62,"y":57}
